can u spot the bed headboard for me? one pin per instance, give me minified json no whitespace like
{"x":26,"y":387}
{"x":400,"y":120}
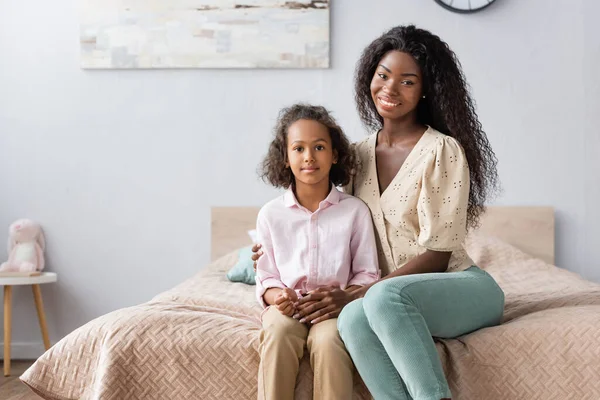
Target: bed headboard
{"x":530,"y":229}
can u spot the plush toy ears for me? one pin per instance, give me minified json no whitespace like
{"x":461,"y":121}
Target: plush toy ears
{"x":41,"y":239}
{"x":12,"y":242}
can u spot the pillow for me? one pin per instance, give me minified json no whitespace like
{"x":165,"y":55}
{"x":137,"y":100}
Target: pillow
{"x":253,"y":235}
{"x":243,"y":270}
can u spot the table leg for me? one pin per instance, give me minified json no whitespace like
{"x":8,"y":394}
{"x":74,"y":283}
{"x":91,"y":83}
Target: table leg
{"x":7,"y":322}
{"x":39,"y":304}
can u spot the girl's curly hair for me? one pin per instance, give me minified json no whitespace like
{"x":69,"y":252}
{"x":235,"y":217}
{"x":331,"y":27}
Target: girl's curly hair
{"x":273,"y":169}
{"x":447,"y":107}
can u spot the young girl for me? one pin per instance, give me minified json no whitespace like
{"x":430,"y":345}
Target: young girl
{"x":313,"y":236}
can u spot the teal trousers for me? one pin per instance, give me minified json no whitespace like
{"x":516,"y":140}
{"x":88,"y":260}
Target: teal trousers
{"x":389,"y":333}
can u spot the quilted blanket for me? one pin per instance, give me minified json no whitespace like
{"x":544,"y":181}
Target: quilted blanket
{"x":200,"y":340}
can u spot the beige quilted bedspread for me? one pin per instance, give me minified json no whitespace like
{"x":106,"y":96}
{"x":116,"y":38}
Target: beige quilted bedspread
{"x":200,"y":339}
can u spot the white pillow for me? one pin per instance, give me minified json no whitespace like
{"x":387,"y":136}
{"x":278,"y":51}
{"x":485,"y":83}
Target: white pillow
{"x":253,"y":235}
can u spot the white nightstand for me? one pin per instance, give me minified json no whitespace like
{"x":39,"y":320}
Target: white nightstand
{"x":35,"y":282}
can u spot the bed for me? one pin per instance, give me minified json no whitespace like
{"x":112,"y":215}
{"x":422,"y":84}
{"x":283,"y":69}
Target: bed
{"x":199,"y":340}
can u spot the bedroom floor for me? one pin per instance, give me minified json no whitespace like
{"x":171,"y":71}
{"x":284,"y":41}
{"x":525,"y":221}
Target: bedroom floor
{"x":11,"y":388}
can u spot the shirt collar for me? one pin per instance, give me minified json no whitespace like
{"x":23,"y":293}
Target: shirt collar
{"x":289,"y":198}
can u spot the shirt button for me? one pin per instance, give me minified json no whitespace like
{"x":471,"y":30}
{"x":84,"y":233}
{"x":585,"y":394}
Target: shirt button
{"x":314,"y":246}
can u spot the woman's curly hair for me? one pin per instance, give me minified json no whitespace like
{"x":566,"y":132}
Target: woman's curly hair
{"x":273,"y":169}
{"x":447,"y":106}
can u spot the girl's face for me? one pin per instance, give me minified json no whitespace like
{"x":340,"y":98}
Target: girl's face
{"x":310,"y":152}
{"x":397,"y":87}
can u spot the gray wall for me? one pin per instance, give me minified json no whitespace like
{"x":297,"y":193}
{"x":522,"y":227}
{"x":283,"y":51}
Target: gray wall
{"x":122,"y":167}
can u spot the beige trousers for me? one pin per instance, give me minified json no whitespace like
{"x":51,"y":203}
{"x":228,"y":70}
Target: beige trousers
{"x":281,"y":348}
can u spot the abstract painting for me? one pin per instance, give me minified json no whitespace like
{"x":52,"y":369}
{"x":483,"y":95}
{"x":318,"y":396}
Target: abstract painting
{"x":130,"y":34}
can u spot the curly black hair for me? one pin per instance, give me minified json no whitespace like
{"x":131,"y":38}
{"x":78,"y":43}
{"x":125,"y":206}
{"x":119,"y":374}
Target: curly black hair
{"x":447,"y":106}
{"x":273,"y":169}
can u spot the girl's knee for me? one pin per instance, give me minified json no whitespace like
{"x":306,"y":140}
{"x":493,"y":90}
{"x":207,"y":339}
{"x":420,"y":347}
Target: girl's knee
{"x":282,"y":330}
{"x":325,"y":340}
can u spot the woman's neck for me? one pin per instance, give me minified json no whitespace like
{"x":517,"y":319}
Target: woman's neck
{"x":310,"y":196}
{"x":398,"y":131}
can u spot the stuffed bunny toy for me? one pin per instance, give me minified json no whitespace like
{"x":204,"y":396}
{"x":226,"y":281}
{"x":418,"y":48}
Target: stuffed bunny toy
{"x":26,"y":244}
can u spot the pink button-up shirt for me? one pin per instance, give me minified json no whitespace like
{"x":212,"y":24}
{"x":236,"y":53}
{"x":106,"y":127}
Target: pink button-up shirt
{"x":303,"y":251}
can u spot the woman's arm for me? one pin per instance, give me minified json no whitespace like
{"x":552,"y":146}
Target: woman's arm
{"x":325,"y":303}
{"x":428,"y":262}
{"x":256,"y":253}
{"x":442,"y":218}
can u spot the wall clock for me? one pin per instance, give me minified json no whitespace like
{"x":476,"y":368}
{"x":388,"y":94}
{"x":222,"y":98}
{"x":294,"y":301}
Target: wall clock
{"x":465,"y":6}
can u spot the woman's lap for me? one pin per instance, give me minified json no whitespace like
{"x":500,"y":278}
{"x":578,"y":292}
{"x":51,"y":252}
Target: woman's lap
{"x":398,"y":318}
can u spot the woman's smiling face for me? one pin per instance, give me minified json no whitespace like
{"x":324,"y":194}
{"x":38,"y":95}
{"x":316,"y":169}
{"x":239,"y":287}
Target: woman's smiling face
{"x":397,"y":85}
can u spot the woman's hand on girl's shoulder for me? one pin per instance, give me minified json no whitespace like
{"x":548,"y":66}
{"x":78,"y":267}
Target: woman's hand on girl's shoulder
{"x":256,"y":253}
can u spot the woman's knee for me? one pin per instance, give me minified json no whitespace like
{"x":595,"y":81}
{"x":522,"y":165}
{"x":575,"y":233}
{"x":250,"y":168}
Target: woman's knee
{"x":350,"y":318}
{"x":385,"y":296}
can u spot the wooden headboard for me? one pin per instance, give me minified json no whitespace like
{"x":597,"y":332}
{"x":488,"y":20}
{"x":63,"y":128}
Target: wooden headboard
{"x":530,"y":229}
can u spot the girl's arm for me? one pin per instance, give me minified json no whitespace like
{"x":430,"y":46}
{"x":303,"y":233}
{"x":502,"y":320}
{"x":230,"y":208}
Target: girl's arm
{"x":271,"y":294}
{"x":268,"y":279}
